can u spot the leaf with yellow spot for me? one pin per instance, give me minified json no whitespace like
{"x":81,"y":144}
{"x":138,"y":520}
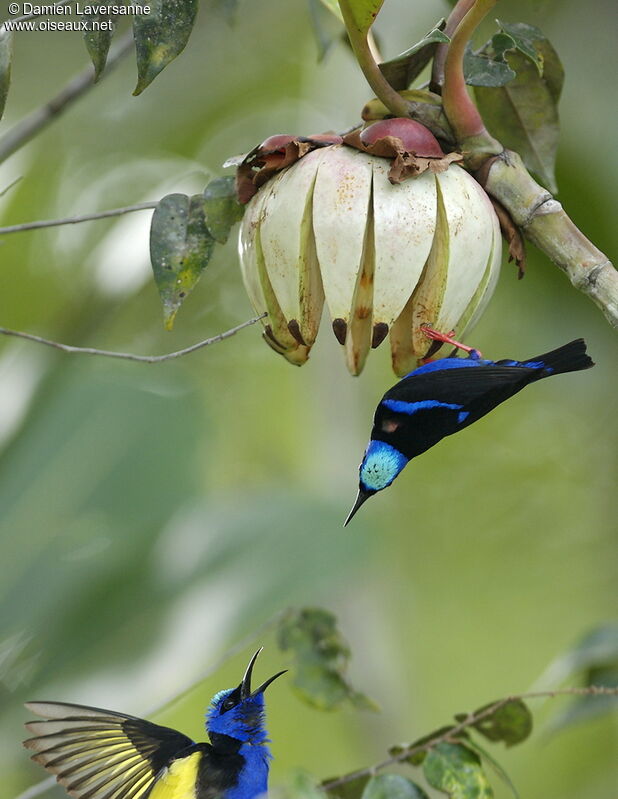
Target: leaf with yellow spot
{"x":160,"y":36}
{"x":180,"y":249}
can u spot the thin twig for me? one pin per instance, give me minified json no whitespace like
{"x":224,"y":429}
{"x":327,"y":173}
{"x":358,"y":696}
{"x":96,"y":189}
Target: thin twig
{"x":128,"y":356}
{"x":73,"y":220}
{"x":41,"y":117}
{"x":471,"y":718}
{"x":40,"y":13}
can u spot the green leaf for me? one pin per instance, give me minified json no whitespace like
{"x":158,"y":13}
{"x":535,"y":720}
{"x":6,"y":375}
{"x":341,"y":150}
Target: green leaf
{"x":160,"y":36}
{"x":416,"y":758}
{"x":363,"y":13}
{"x":456,"y":771}
{"x":180,"y":249}
{"x":6,"y":60}
{"x":351,"y":789}
{"x":392,"y":786}
{"x":500,"y":44}
{"x":98,"y":41}
{"x":404,"y":68}
{"x":481,"y":70}
{"x":495,"y":766}
{"x":524,"y":38}
{"x":221,"y":208}
{"x":321,"y":659}
{"x":489,"y":66}
{"x":523,"y":114}
{"x":511,"y":722}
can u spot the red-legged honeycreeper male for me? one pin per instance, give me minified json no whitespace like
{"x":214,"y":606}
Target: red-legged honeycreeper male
{"x":444,"y":396}
{"x":100,"y":754}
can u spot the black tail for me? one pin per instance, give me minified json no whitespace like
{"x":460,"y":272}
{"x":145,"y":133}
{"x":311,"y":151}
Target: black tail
{"x":569,"y":358}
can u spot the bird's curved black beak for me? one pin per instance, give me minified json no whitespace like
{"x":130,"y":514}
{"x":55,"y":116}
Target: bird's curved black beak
{"x":245,"y":685}
{"x":361,"y":497}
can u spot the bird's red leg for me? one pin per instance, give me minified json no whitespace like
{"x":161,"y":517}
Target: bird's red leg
{"x":435,"y":335}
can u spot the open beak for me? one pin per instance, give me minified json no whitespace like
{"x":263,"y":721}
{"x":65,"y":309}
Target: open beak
{"x":245,"y":685}
{"x":361,"y":497}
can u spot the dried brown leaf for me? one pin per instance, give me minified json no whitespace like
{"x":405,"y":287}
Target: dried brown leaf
{"x":261,"y":164}
{"x":405,"y":164}
{"x":513,"y":237}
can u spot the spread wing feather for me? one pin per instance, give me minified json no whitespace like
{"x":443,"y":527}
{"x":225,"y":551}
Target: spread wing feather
{"x":101,"y":754}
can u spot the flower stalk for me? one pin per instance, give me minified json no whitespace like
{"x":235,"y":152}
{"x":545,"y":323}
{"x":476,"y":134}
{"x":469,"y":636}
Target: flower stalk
{"x":391,"y":98}
{"x":467,"y":124}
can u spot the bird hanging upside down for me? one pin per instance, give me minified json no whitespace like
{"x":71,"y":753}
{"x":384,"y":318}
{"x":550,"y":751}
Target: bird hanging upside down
{"x":444,"y":396}
{"x":100,"y":754}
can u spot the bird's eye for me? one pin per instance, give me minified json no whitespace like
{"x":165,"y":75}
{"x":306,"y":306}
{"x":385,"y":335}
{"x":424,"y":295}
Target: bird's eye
{"x":228,"y":704}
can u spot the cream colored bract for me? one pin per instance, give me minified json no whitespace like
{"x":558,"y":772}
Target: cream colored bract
{"x":385,"y":258}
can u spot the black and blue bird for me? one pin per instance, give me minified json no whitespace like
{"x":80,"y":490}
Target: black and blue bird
{"x":101,"y":754}
{"x":443,"y":397}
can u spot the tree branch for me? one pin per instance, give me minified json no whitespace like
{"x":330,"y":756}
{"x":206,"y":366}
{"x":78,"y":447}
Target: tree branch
{"x":544,"y":222}
{"x":127,"y":356}
{"x":471,"y":718}
{"x":73,"y":220}
{"x":41,"y":117}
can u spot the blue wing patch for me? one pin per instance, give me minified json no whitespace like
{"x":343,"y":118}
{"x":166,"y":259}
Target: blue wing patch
{"x":399,"y":406}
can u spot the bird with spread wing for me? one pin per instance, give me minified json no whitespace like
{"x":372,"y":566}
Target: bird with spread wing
{"x":101,"y":754}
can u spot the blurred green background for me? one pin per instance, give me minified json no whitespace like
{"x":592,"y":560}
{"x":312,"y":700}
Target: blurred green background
{"x":152,"y":516}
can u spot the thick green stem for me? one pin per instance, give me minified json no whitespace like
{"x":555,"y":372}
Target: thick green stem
{"x":395,"y":103}
{"x":463,"y":115}
{"x":544,"y":222}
